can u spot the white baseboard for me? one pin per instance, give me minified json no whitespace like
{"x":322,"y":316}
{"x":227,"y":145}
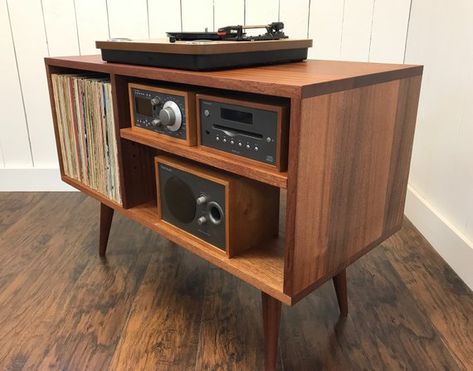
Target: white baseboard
{"x":454,"y":247}
{"x":32,"y":180}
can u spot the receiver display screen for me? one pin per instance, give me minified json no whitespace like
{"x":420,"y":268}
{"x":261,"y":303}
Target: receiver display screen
{"x":238,"y":116}
{"x":143,"y":106}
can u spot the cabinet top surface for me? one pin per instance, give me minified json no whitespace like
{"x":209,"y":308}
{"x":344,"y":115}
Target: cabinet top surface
{"x":308,"y":78}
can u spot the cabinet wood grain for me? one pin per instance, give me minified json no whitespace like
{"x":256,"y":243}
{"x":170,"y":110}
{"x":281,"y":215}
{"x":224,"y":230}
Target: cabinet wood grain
{"x":352,"y":169}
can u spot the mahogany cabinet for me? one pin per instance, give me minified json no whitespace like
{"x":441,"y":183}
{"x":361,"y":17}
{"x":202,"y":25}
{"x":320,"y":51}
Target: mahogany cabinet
{"x":351,"y":128}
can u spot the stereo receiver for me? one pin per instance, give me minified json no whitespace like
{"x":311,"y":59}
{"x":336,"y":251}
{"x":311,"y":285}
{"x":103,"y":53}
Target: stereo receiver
{"x":253,"y":130}
{"x":227,"y":212}
{"x":163,"y":112}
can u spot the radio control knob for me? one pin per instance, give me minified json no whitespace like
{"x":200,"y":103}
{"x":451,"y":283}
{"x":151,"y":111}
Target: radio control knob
{"x":155,"y":101}
{"x":167,"y":116}
{"x":201,"y":220}
{"x":170,"y":116}
{"x":155,"y":122}
{"x":201,"y":200}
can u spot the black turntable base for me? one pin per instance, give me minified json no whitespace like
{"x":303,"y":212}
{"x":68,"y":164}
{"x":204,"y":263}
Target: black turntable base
{"x":204,"y":62}
{"x":204,"y":55}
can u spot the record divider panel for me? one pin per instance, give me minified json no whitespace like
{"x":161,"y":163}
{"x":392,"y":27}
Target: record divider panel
{"x":351,"y":129}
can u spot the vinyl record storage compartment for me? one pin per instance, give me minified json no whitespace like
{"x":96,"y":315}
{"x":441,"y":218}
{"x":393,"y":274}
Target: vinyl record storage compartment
{"x":351,"y":128}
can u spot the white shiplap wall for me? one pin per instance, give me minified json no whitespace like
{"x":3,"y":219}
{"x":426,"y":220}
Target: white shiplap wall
{"x":30,"y":30}
{"x":30,"y":45}
{"x":15,"y":149}
{"x":440,"y":201}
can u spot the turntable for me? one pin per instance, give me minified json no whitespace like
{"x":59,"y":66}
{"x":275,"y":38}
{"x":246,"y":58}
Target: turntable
{"x":229,"y":47}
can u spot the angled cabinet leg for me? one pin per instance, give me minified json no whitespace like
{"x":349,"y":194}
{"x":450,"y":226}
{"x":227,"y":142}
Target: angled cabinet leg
{"x":271,"y":321}
{"x":340,"y":283}
{"x":106,"y":216}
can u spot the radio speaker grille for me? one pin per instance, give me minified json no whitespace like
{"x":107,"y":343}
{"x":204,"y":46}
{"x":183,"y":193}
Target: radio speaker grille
{"x":180,"y":200}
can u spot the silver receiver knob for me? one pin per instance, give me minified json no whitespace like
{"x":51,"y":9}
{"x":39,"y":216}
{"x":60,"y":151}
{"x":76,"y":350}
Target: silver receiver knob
{"x":167,"y":116}
{"x":202,"y":220}
{"x":156,"y":122}
{"x":155,"y":101}
{"x":171,"y":116}
{"x":201,"y":200}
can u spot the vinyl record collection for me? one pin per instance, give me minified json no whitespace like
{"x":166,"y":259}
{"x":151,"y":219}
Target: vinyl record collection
{"x":87,"y":131}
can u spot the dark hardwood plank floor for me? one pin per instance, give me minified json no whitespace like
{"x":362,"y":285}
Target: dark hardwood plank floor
{"x":153,"y":306}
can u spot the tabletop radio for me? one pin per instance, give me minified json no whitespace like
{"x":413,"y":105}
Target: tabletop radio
{"x":257,"y":131}
{"x":166,"y":113}
{"x":227,"y":212}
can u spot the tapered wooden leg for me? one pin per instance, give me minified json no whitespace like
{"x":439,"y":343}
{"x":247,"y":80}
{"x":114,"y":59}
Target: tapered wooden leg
{"x":106,"y":216}
{"x":340,"y":283}
{"x":271,"y":320}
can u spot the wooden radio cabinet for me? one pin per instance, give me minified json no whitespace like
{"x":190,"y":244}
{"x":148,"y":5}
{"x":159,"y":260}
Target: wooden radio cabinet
{"x":351,"y":128}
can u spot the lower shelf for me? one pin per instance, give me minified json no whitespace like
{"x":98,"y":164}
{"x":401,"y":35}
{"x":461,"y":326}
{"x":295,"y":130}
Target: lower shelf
{"x":261,"y":267}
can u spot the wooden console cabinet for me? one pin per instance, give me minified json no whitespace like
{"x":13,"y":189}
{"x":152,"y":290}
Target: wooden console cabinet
{"x":351,"y":130}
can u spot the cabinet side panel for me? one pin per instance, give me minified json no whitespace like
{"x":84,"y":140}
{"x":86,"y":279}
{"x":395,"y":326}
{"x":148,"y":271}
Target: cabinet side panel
{"x":401,"y":153}
{"x":49,"y":71}
{"x":354,"y":154}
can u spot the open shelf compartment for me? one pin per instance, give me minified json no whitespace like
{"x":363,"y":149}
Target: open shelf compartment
{"x":262,"y":267}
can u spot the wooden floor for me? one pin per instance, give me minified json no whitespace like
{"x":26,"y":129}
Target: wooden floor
{"x":153,"y":306}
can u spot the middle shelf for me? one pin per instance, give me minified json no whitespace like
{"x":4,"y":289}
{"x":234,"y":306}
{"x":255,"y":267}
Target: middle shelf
{"x":241,"y":166}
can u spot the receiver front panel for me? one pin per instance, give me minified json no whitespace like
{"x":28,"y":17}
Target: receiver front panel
{"x":240,"y":130}
{"x":145,"y":113}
